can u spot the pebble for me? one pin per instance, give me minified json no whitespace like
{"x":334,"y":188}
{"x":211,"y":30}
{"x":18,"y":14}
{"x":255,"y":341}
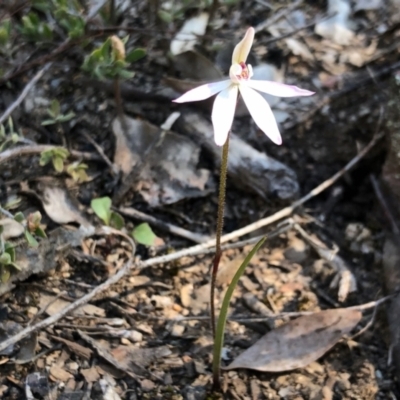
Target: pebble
{"x":177,"y":330}
{"x":297,"y":251}
{"x":147,"y":385}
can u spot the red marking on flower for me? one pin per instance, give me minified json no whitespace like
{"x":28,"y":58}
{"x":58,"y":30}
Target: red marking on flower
{"x":245,"y":71}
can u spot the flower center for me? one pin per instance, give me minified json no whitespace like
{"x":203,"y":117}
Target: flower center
{"x":240,"y":72}
{"x":245,"y":74}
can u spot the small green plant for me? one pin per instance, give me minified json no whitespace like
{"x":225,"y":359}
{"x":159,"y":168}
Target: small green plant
{"x":72,"y":23}
{"x":68,"y":14}
{"x":34,"y":227}
{"x":54,"y":111}
{"x":31,"y":227}
{"x":109,"y":61}
{"x":7,"y":261}
{"x":102,"y":208}
{"x":77,"y":171}
{"x":143,"y":234}
{"x":57,"y":156}
{"x":7,"y":135}
{"x":34,"y":29}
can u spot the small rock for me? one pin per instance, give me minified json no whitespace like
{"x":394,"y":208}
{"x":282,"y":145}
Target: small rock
{"x":297,"y":251}
{"x":186,"y":294}
{"x":177,"y":330}
{"x":135,"y":336}
{"x":147,"y":385}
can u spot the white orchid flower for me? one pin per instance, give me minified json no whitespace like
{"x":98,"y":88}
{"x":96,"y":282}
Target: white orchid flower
{"x":240,"y":75}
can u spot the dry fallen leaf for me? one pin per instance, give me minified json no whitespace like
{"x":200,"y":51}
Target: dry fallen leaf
{"x":169,"y":171}
{"x":59,"y":374}
{"x":11,"y":228}
{"x":195,"y":66}
{"x":60,"y":207}
{"x":299,"y":342}
{"x":91,"y":375}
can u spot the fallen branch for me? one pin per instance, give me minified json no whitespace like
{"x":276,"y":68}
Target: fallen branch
{"x":24,"y":93}
{"x":176,"y":230}
{"x":39,"y":148}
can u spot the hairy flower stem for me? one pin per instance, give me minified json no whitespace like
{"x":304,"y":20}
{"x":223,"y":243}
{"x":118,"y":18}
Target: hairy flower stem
{"x":220,"y":225}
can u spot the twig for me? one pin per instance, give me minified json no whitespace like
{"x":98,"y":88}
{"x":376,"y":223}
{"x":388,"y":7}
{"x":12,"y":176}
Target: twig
{"x":71,"y":307}
{"x":176,"y":230}
{"x":277,"y":16}
{"x":113,"y":167}
{"x":281,"y":315}
{"x":284,"y":213}
{"x":39,"y":148}
{"x":6,"y":213}
{"x":24,"y":93}
{"x":384,"y":204}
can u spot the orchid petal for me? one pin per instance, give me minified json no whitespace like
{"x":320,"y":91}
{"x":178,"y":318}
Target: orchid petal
{"x":242,"y":49}
{"x":203,"y":92}
{"x":223,"y":113}
{"x":278,"y":89}
{"x":261,"y":113}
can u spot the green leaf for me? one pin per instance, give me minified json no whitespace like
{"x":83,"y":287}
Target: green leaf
{"x":102,"y":208}
{"x":30,"y":239}
{"x":105,"y":49}
{"x":58,"y":163}
{"x":165,"y":16}
{"x":116,"y":220}
{"x":124,"y":74}
{"x":143,"y":234}
{"x":19,"y":216}
{"x":10,"y":249}
{"x":45,"y":157}
{"x":61,"y":152}
{"x":48,"y":122}
{"x":135,"y":55}
{"x":220,"y":329}
{"x":66,"y":117}
{"x":54,"y":110}
{"x":40,"y":233}
{"x":5,"y":259}
{"x":5,"y":273}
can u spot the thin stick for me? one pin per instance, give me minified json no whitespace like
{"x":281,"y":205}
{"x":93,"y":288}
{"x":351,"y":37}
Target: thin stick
{"x":99,"y":149}
{"x":6,"y":213}
{"x":24,"y":93}
{"x":284,"y":213}
{"x":176,"y":230}
{"x":71,"y":307}
{"x":277,"y":16}
{"x":39,"y":148}
{"x":220,"y":225}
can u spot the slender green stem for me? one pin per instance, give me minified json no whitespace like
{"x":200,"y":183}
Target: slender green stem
{"x":219,"y":337}
{"x":220,"y":224}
